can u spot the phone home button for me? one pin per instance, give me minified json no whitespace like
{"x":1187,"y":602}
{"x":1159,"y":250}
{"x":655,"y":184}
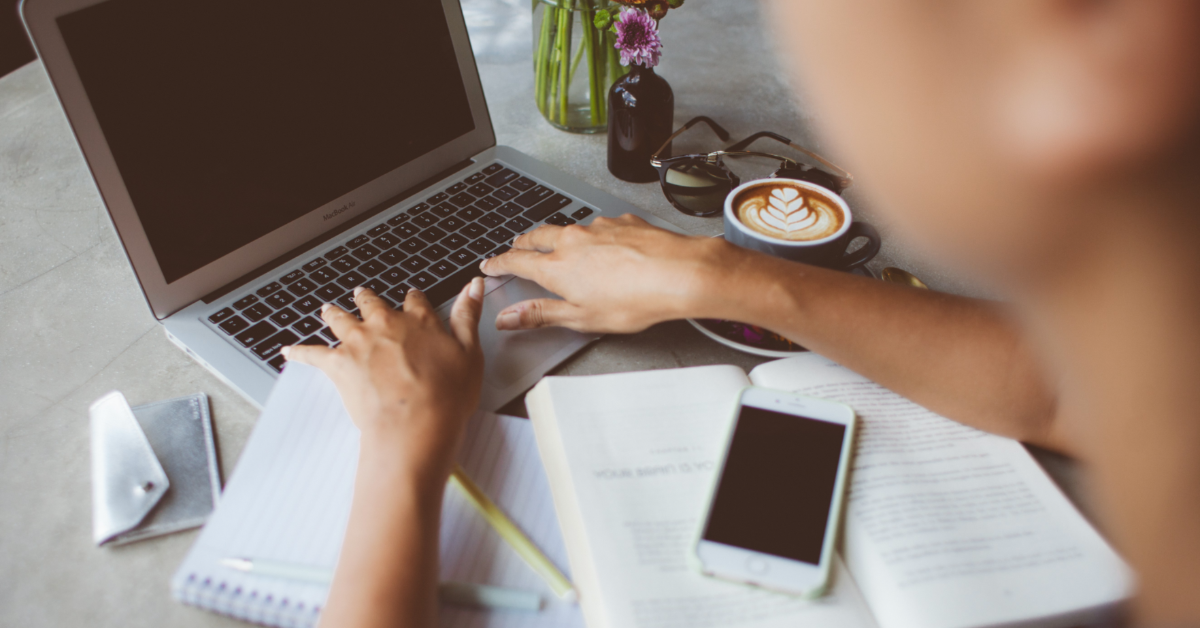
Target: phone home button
{"x":757,"y":566}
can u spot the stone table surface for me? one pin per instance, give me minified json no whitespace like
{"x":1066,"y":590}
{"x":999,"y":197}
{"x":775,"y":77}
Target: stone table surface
{"x":75,"y":324}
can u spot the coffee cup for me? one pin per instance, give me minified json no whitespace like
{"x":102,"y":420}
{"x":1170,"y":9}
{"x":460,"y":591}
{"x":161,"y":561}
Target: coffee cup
{"x":798,"y":221}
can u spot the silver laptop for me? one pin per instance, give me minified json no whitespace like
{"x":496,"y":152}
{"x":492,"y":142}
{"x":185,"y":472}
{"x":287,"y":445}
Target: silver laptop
{"x":260,"y":158}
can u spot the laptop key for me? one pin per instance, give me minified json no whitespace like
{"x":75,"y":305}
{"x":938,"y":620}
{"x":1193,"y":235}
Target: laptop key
{"x":285,"y":317}
{"x":480,"y":189}
{"x":435,"y":252}
{"x":336,"y":253}
{"x":508,"y":210}
{"x":366,"y":252}
{"x":246,"y":301}
{"x":456,"y":188}
{"x":463,"y":257}
{"x":328,"y":333}
{"x":500,"y":235}
{"x":255,"y":334}
{"x":398,"y":293}
{"x":407,"y":230}
{"x":302,"y":287}
{"x":581,"y":213}
{"x":372,"y":268}
{"x":501,"y":178}
{"x":437,"y":198}
{"x":475,"y":178}
{"x":560,"y":220}
{"x":487,"y":203}
{"x":413,"y":245}
{"x":234,"y":325}
{"x":492,"y":169}
{"x":377,"y":230}
{"x":391,"y":257}
{"x":425,"y":220}
{"x":473,"y":230}
{"x":310,"y":303}
{"x":506,"y":194}
{"x":422,"y":281}
{"x":518,"y":224}
{"x":277,"y":363}
{"x":359,"y":241}
{"x":346,"y":302}
{"x":481,"y":246}
{"x":432,"y":234}
{"x":393,"y":276}
{"x":314,"y":264}
{"x":256,"y":312}
{"x":419,"y":208}
{"x":452,"y":223}
{"x":450,"y":286}
{"x":351,"y":280}
{"x":307,"y":325}
{"x":398,"y":219}
{"x":491,"y":221}
{"x":328,"y":294}
{"x":470,"y":213}
{"x":268,"y":348}
{"x":376,"y":286}
{"x":274,"y":286}
{"x":445,"y":209}
{"x":534,"y":196}
{"x":462,"y":199}
{"x":414,"y":264}
{"x":547,"y":207}
{"x":315,"y":340}
{"x":455,"y":241}
{"x":279,"y":300}
{"x":295,"y":275}
{"x":345,"y":264}
{"x":500,"y":250}
{"x":524,"y":184}
{"x":221,"y":315}
{"x":386,"y":241}
{"x":323,"y":275}
{"x":443,"y":268}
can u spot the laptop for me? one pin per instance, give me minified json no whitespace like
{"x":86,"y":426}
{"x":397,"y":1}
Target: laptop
{"x":259,"y":158}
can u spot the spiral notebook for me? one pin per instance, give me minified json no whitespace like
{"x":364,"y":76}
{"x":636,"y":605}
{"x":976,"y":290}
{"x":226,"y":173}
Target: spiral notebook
{"x":289,"y":499}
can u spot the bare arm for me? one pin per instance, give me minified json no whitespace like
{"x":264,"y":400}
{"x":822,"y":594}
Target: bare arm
{"x":409,"y":385}
{"x":957,"y":356}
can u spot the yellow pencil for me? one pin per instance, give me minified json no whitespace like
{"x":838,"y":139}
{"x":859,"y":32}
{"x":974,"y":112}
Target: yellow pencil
{"x":513,"y":535}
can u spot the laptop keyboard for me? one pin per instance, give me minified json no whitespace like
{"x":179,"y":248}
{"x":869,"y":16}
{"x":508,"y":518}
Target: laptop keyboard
{"x":434,"y":246}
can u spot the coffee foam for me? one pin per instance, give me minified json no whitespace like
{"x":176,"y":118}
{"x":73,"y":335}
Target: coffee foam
{"x":789,"y":212}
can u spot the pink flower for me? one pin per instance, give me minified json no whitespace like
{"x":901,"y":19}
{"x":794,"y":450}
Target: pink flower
{"x":637,"y":38}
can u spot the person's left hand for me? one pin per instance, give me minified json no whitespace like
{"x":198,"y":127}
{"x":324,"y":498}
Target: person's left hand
{"x":407,"y":382}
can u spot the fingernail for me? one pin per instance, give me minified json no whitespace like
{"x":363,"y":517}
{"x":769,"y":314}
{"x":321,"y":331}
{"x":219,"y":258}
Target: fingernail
{"x":476,"y":288}
{"x":325,"y":308}
{"x":358,"y":290}
{"x":484,"y":263}
{"x":285,"y":351}
{"x":508,"y":320}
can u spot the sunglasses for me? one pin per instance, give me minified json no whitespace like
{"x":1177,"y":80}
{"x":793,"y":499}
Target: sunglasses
{"x":698,"y":184}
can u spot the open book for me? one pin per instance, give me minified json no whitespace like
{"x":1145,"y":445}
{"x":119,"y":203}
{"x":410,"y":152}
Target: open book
{"x":946,"y":526}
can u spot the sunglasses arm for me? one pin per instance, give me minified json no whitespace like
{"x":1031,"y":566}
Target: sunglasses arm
{"x":845,"y":177}
{"x":718,"y":129}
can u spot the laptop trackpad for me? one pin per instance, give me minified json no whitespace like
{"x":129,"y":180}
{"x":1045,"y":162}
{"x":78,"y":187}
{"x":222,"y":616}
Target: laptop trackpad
{"x":510,"y":355}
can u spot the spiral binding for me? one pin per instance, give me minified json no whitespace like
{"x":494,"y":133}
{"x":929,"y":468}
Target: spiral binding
{"x":219,"y":597}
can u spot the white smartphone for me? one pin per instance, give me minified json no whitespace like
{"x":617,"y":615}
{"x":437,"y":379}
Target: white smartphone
{"x":775,"y":507}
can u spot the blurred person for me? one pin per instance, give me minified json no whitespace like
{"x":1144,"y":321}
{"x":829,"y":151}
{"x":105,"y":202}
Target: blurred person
{"x":1048,"y":147}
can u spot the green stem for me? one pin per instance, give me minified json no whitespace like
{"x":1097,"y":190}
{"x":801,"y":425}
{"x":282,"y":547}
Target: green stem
{"x":564,"y":78}
{"x":541,"y":62}
{"x":589,"y":42}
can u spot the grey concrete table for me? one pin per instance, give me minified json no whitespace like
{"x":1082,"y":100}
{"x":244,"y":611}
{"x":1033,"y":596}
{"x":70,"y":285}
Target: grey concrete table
{"x":74,"y":325}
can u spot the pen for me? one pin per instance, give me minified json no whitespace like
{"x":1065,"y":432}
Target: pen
{"x":513,"y":535}
{"x":457,"y":593}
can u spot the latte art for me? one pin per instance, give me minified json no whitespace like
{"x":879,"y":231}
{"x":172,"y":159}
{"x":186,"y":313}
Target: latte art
{"x":790,"y":213}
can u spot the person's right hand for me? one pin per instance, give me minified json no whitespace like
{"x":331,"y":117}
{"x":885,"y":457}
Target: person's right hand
{"x":616,"y":275}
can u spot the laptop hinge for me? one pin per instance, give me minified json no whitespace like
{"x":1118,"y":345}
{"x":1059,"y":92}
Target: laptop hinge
{"x":367,"y":215}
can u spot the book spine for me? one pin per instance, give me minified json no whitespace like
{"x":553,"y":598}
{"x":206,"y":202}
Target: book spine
{"x":218,"y":596}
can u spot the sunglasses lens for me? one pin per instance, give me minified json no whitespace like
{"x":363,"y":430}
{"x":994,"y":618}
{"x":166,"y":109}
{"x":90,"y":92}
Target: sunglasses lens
{"x":698,"y":187}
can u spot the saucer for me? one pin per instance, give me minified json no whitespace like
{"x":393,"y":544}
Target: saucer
{"x":753,"y":339}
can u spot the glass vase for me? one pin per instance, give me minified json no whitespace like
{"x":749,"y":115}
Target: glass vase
{"x":574,"y":63}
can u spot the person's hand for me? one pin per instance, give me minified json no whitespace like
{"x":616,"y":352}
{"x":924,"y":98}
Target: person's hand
{"x":615,"y":275}
{"x":408,"y":383}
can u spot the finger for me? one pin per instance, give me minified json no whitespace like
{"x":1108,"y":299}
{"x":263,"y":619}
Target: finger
{"x":312,"y":355}
{"x":416,"y":303}
{"x":339,"y":320}
{"x":543,"y":239}
{"x":369,"y":303}
{"x":464,"y":316}
{"x":538,"y":313}
{"x":524,"y":264}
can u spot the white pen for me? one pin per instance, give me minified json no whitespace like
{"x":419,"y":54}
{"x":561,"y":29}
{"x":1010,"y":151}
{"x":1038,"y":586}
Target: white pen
{"x":457,"y":593}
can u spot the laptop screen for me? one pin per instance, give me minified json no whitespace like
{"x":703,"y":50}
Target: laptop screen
{"x":229,"y":119}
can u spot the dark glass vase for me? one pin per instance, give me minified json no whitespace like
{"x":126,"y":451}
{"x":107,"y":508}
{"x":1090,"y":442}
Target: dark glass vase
{"x":641,"y":113}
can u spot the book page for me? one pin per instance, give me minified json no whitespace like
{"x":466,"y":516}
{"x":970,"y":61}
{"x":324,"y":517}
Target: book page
{"x":631,"y":459}
{"x":289,"y":500}
{"x":948,"y":526}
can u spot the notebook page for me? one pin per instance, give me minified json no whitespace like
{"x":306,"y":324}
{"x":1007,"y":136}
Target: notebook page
{"x":632,"y":457}
{"x":289,"y":500}
{"x":948,"y":526}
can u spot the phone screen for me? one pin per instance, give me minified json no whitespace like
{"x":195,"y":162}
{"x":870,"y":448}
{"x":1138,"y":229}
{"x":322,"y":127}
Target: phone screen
{"x":777,"y":486}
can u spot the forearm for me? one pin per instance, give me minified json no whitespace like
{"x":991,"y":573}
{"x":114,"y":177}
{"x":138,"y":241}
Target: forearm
{"x":388,"y":571}
{"x":960,"y":357}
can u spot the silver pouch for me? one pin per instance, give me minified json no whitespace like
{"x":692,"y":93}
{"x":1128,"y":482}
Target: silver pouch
{"x":154,"y":467}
